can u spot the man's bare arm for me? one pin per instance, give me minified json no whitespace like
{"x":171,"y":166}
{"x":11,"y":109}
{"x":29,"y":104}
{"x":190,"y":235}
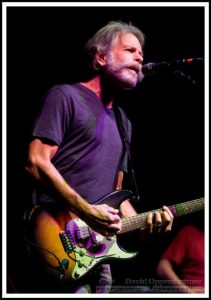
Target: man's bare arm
{"x":101,"y":218}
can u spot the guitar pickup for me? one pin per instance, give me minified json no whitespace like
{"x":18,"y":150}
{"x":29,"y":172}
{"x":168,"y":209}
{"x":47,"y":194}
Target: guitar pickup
{"x":66,"y":242}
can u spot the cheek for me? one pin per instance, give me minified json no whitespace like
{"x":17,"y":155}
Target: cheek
{"x":121,"y":57}
{"x":125,"y":56}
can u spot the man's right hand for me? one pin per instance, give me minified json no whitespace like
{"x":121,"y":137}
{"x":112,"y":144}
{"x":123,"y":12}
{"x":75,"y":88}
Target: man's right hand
{"x":103,"y":219}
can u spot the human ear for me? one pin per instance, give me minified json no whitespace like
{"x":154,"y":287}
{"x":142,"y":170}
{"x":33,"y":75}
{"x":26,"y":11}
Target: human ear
{"x":101,"y":58}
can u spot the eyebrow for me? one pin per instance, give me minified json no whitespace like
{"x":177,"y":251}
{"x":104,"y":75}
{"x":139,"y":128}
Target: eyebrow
{"x":133,"y":47}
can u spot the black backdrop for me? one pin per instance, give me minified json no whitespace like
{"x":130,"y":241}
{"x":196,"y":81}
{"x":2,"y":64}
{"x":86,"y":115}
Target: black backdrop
{"x":44,"y":47}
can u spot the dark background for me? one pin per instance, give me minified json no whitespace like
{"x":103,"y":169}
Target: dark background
{"x":44,"y":48}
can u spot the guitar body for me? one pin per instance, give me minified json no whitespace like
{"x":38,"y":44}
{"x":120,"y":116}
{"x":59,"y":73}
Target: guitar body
{"x":68,"y":247}
{"x":46,"y":235}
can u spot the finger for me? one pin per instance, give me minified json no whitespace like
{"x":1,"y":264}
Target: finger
{"x":112,"y":214}
{"x":149,"y":223}
{"x":165,"y":208}
{"x":166,"y":217}
{"x":115,"y":227}
{"x":112,"y":219}
{"x":109,"y":208}
{"x":157,"y":222}
{"x":167,"y":221}
{"x":112,"y":210}
{"x":157,"y":218}
{"x":112,"y":230}
{"x":108,"y":214}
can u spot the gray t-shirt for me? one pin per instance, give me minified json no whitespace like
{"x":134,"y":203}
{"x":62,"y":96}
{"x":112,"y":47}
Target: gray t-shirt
{"x":90,"y":149}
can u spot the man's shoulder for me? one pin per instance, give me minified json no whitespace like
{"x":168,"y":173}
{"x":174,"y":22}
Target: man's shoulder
{"x":67,"y":88}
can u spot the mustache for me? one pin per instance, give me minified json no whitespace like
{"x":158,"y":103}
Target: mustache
{"x":115,"y":67}
{"x":136,"y":67}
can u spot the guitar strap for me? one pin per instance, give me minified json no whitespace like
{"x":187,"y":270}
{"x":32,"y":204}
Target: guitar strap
{"x":126,"y":145}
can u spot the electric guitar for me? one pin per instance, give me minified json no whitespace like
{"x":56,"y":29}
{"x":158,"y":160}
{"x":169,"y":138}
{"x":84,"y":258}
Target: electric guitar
{"x":71,"y":249}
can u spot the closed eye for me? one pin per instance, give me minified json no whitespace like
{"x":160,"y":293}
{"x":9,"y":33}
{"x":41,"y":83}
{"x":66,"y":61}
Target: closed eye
{"x":132,"y":50}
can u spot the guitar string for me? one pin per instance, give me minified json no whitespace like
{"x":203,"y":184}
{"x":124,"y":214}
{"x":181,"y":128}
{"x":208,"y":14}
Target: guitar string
{"x":130,"y":222}
{"x":58,"y":260}
{"x":194,"y":206}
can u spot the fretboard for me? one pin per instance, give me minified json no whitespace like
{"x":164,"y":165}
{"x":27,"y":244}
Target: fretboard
{"x":139,"y":221}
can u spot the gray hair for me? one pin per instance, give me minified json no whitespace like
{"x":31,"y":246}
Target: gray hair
{"x":103,"y":39}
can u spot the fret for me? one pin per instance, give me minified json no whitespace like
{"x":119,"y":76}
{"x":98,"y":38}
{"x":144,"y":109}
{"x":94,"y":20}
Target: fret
{"x":187,"y":207}
{"x":138,"y":221}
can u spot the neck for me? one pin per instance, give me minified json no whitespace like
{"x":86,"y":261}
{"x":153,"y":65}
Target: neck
{"x":102,"y":91}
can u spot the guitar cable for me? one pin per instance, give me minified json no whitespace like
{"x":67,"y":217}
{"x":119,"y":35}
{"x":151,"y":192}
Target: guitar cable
{"x":56,"y":257}
{"x":27,"y":218}
{"x":62,"y":265}
{"x":44,"y":249}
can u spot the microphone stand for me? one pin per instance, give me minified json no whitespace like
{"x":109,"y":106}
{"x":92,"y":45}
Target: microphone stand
{"x":181,"y":74}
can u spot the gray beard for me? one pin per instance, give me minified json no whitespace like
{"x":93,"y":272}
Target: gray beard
{"x":117,"y":73}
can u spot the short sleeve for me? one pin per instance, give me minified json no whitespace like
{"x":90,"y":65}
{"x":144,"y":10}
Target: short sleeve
{"x":177,"y":250}
{"x":54,"y":117}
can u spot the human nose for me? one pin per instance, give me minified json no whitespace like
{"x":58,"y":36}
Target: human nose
{"x":138,"y":57}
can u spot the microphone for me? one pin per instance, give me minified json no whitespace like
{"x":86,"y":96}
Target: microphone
{"x":153,"y":67}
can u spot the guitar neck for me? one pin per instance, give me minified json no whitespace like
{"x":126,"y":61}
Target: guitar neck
{"x":139,"y":221}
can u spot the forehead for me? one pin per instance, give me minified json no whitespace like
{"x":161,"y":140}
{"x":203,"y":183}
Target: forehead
{"x":127,"y":40}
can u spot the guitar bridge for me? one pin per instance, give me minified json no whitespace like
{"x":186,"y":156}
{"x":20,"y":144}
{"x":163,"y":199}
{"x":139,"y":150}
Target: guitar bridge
{"x":66,"y":242}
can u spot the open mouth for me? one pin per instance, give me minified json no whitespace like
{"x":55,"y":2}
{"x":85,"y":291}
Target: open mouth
{"x":136,"y":69}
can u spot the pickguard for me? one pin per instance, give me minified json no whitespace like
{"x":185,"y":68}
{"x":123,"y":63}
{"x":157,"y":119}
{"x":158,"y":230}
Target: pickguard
{"x":90,"y":247}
